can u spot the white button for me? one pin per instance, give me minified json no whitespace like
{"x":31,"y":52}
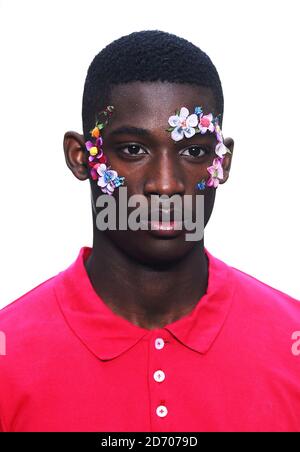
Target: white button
{"x":159,"y":343}
{"x":159,"y":376}
{"x":161,"y":411}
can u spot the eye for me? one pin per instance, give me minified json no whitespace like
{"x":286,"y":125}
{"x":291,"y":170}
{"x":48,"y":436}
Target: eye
{"x":132,"y":149}
{"x":194,"y":151}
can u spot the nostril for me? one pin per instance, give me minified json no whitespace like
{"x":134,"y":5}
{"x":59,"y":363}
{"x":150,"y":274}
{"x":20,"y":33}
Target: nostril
{"x":164,"y":183}
{"x":164,"y":188}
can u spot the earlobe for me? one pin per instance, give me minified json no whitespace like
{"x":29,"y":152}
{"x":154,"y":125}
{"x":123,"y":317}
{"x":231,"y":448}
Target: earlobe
{"x":75,"y":154}
{"x":229,"y":143}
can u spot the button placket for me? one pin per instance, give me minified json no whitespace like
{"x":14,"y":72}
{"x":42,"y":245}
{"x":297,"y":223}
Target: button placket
{"x":159,"y":376}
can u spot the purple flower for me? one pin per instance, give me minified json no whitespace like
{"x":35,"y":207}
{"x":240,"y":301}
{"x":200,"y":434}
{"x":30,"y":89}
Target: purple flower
{"x":216,"y":173}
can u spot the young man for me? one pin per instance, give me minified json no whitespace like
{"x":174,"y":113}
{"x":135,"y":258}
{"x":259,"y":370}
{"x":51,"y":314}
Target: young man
{"x":147,"y":331}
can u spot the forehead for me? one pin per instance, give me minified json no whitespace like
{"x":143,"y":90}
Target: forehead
{"x":151,"y":103}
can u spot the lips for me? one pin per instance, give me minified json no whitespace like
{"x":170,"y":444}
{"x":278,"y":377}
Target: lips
{"x":165,"y":223}
{"x":165,"y":229}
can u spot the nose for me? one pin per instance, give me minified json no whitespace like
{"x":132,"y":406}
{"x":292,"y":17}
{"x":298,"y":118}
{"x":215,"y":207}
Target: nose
{"x":164,"y":177}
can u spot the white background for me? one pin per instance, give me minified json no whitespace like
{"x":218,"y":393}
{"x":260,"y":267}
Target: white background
{"x":46,"y":48}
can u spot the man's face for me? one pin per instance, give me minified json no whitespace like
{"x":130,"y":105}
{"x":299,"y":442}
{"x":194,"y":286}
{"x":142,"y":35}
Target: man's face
{"x":139,"y":148}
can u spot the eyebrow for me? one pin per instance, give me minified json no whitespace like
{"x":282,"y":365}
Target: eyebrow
{"x":146,"y":133}
{"x":131,"y":131}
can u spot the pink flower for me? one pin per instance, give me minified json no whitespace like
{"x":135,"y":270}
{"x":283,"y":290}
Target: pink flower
{"x":216,"y":173}
{"x":205,"y":123}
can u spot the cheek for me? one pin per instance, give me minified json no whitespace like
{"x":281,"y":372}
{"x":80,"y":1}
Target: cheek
{"x":134,"y":179}
{"x":194,"y":174}
{"x":209,"y":200}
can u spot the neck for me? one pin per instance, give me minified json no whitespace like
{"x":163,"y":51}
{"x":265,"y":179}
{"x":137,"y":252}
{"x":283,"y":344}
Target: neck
{"x":147,"y":296}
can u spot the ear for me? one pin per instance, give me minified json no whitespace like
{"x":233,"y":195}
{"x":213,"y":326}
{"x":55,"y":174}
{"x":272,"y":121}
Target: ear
{"x":229,"y":143}
{"x":76,"y":155}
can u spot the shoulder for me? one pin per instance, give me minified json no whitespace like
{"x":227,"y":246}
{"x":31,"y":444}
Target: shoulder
{"x":263,"y":323}
{"x":38,"y":303}
{"x":30,"y":324}
{"x":261,"y":293}
{"x":31,"y":306}
{"x":249,"y":291}
{"x":263,"y":311}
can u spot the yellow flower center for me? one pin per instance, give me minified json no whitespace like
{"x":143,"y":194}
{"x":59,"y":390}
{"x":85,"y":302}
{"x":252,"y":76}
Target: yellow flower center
{"x":94,"y":151}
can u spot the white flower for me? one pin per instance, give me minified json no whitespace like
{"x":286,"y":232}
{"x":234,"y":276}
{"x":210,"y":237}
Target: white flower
{"x":221,"y":149}
{"x":183,"y":124}
{"x":105,"y":181}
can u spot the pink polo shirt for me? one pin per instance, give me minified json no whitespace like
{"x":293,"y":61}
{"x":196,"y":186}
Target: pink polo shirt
{"x":71,"y":364}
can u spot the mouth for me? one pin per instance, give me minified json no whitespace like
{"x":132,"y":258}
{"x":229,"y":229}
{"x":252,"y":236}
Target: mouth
{"x":165,"y":228}
{"x":164,"y":223}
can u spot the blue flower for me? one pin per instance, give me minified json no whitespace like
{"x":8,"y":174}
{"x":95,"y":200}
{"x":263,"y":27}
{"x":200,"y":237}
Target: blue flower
{"x":118,"y":181}
{"x":198,"y":110}
{"x":201,"y":185}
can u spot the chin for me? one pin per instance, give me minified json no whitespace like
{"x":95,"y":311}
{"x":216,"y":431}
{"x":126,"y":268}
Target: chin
{"x":152,"y":250}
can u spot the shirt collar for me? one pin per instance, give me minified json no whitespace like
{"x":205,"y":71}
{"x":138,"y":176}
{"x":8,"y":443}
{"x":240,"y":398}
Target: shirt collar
{"x":108,"y":335}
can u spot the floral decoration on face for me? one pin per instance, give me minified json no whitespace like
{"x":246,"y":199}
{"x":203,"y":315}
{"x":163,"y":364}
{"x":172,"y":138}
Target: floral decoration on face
{"x":183,"y":124}
{"x":201,"y":185}
{"x":216,"y":173}
{"x":106,"y":178}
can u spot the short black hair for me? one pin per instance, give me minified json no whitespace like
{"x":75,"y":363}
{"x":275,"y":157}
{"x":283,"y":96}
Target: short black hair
{"x":147,"y":56}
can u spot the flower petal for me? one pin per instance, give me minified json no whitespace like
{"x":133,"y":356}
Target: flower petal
{"x":101,"y":169}
{"x":210,"y":182}
{"x":174,"y":121}
{"x":103,"y":159}
{"x":110,"y":187}
{"x":192,"y":120}
{"x":177,"y":134}
{"x":183,"y":113}
{"x":104,"y":190}
{"x":101,"y":182}
{"x":95,"y":132}
{"x":220,"y":149}
{"x":220,"y":172}
{"x":211,"y":169}
{"x":112,"y":174}
{"x":94,"y":174}
{"x":89,"y":145}
{"x":99,"y":142}
{"x":189,"y":132}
